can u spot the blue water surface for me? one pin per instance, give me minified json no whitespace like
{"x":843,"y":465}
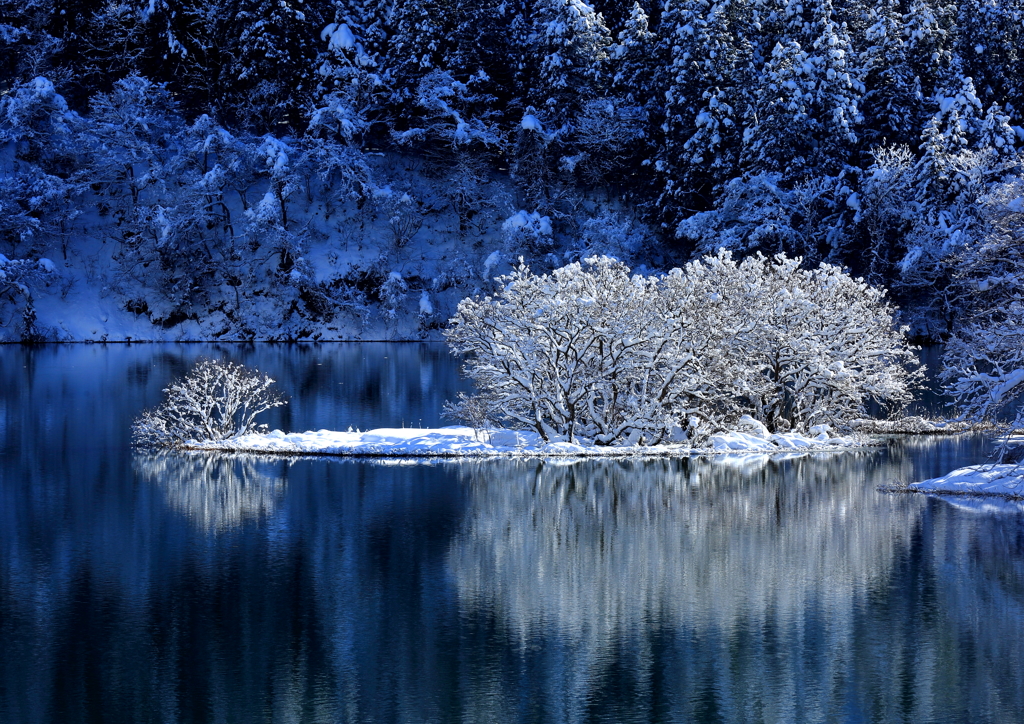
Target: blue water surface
{"x":195,"y":588}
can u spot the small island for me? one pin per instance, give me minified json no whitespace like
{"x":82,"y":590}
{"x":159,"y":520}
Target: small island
{"x":461,"y":441}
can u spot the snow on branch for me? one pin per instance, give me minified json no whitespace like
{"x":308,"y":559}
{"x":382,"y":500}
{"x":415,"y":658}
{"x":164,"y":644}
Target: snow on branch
{"x":592,"y":352}
{"x":215,"y":401}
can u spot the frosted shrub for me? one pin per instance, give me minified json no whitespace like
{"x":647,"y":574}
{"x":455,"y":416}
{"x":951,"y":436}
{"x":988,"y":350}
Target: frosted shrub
{"x":590,"y":351}
{"x":215,"y":400}
{"x":547,"y":350}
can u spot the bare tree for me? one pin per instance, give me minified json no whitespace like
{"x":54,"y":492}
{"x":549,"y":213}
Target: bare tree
{"x":215,"y":400}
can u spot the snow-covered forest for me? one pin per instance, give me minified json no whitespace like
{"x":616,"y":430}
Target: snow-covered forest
{"x":341,"y":169}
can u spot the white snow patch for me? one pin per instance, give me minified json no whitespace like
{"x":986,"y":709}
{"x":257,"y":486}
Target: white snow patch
{"x":456,"y":441}
{"x":1006,"y":480}
{"x":426,"y":308}
{"x":340,"y":36}
{"x":764,"y":442}
{"x":525,"y":220}
{"x":492,"y":260}
{"x":530,"y":122}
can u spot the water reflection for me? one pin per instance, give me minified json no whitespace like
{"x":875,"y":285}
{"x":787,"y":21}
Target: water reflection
{"x":184,"y":589}
{"x":757,"y":591}
{"x":215,"y":491}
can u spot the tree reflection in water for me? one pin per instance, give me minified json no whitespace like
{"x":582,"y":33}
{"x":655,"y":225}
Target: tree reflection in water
{"x":734,"y":589}
{"x":215,"y":491}
{"x":766,"y":590}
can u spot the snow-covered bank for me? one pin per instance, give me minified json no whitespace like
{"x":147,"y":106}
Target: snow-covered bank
{"x":457,"y":441}
{"x":1004,"y":481}
{"x":916,"y":425}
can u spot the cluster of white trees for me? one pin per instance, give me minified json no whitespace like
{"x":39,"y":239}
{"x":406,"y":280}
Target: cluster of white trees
{"x":592,"y":351}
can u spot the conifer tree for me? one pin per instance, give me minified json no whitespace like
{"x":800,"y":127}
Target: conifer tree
{"x":805,"y":112}
{"x":892,"y":100}
{"x":571,"y":42}
{"x":273,"y":61}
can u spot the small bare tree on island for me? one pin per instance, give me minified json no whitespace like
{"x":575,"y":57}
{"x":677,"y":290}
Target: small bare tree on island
{"x":216,"y":400}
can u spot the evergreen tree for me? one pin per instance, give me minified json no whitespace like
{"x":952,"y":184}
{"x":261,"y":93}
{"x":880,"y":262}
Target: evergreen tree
{"x":416,"y":46}
{"x":273,"y":60}
{"x":805,"y":112}
{"x":989,"y":34}
{"x":892,"y":100}
{"x":927,"y":27}
{"x":722,"y":71}
{"x":571,"y":42}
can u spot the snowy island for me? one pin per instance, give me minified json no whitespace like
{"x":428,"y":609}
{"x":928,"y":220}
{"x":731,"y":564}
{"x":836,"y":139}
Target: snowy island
{"x":460,"y":441}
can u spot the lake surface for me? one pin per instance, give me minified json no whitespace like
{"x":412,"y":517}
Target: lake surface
{"x":186,"y":588}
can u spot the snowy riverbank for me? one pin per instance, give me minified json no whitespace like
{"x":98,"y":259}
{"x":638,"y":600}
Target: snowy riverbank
{"x":457,"y":441}
{"x":1004,"y":481}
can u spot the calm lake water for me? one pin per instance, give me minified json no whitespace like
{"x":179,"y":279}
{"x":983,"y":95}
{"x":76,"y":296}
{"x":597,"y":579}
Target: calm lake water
{"x":184,"y":588}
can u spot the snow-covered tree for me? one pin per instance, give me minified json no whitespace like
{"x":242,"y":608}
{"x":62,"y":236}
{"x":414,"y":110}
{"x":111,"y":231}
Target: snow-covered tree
{"x":963,"y":152}
{"x":416,"y":46}
{"x":571,"y":42}
{"x":761,"y":212}
{"x":41,"y":188}
{"x":214,"y":401}
{"x":447,"y":122}
{"x":18,"y":279}
{"x":531,"y":152}
{"x":606,"y":133}
{"x":889,"y":207}
{"x":609,"y":233}
{"x":983,"y":366}
{"x":983,"y":363}
{"x":27,"y":43}
{"x":269,"y":217}
{"x":527,"y":233}
{"x":928,"y":30}
{"x":822,"y":344}
{"x":274,"y":61}
{"x":351,"y":55}
{"x":892,"y":101}
{"x":591,"y":351}
{"x":36,"y":120}
{"x":989,"y":34}
{"x":562,"y":354}
{"x":806,"y":109}
{"x":632,"y":59}
{"x":989,"y":272}
{"x":130,"y":127}
{"x":707,"y":95}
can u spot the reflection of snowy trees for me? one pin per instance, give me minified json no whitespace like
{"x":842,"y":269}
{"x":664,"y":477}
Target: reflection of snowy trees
{"x":592,"y":547}
{"x":215,"y":491}
{"x":758,"y":575}
{"x":495,"y":591}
